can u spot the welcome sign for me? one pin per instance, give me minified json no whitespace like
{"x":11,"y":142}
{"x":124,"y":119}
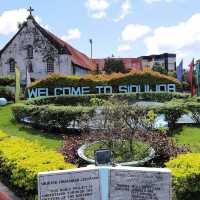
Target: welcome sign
{"x":102,"y":89}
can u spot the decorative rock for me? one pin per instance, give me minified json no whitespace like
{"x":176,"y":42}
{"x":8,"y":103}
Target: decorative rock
{"x":3,"y":101}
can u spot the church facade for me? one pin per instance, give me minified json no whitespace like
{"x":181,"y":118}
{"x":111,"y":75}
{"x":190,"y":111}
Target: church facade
{"x":37,"y":50}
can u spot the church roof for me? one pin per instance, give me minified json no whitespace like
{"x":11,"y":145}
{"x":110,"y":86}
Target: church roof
{"x":77,"y":57}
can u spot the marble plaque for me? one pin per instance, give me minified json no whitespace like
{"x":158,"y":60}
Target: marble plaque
{"x":140,"y":184}
{"x":79,"y":184}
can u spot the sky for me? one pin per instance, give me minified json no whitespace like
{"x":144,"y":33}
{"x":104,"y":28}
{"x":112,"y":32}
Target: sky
{"x":123,"y":28}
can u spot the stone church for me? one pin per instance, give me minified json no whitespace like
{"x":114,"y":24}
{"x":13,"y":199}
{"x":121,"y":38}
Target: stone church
{"x":37,"y":50}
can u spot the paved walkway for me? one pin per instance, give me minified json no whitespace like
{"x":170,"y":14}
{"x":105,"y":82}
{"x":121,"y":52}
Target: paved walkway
{"x":7,"y":192}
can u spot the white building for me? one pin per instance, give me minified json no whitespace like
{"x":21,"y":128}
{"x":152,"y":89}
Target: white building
{"x":165,"y":60}
{"x":40,"y":52}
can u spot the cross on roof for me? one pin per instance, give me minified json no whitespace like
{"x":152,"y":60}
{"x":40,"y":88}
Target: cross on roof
{"x":30,"y":10}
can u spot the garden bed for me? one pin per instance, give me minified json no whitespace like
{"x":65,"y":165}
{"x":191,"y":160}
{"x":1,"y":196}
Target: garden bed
{"x":141,"y":152}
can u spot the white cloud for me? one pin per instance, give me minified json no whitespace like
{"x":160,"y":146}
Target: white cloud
{"x":72,"y":34}
{"x":154,"y":1}
{"x":181,"y":38}
{"x":133,"y":32}
{"x":125,"y":10}
{"x":124,"y":47}
{"x":99,"y":15}
{"x":9,"y":20}
{"x":97,"y":8}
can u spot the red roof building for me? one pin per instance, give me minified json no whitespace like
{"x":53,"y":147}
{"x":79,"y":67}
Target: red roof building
{"x":129,"y":63}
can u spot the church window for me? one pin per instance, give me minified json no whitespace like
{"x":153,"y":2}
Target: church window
{"x":50,"y":65}
{"x":30,"y":52}
{"x":74,"y":70}
{"x":12,"y":65}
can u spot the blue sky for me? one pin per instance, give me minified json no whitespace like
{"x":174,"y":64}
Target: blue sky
{"x":125,"y":28}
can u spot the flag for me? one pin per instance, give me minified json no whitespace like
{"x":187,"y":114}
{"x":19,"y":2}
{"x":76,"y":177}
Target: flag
{"x":28,"y":77}
{"x":198,"y":78}
{"x":191,"y":78}
{"x":180,"y":71}
{"x":17,"y":84}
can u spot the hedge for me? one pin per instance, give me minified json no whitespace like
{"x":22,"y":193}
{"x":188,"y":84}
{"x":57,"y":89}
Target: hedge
{"x":21,"y":161}
{"x":134,"y":77}
{"x":186,"y":176}
{"x":50,"y":113}
{"x":194,"y":108}
{"x":172,"y":110}
{"x":7,"y":81}
{"x":85,"y":100}
{"x":6,"y":94}
{"x":51,"y":117}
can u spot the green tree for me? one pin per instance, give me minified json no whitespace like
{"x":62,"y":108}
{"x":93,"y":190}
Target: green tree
{"x":114,"y":65}
{"x":158,"y":68}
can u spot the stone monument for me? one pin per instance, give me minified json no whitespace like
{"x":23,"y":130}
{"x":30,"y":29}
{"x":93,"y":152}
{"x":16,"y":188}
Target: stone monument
{"x":78,"y":184}
{"x":105,"y":183}
{"x":139,"y":184}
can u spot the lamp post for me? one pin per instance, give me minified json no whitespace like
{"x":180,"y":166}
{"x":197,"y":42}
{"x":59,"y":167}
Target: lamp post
{"x":91,"y":47}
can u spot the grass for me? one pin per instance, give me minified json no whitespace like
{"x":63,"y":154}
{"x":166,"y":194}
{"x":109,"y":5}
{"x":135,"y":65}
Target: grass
{"x":189,"y":136}
{"x":12,"y":128}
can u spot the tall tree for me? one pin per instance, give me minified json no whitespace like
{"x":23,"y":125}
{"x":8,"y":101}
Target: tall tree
{"x":114,"y":65}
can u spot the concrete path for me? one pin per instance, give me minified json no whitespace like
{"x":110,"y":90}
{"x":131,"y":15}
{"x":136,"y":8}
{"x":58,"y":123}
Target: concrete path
{"x":6,"y":193}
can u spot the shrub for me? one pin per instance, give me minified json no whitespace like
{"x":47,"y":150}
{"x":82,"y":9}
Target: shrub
{"x":71,"y":100}
{"x":85,"y":100}
{"x":164,"y":147}
{"x":173,"y":111}
{"x":5,"y":81}
{"x":73,"y":142}
{"x":3,"y":135}
{"x":186,"y":176}
{"x":21,"y":161}
{"x":6,"y":94}
{"x":163,"y":96}
{"x":51,"y":117}
{"x":194,"y":108}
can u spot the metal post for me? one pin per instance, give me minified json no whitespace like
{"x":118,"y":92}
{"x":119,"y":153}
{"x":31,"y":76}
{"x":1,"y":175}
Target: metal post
{"x":91,"y":45}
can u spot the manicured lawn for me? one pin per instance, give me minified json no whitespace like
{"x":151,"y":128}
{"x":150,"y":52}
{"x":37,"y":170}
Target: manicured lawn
{"x":190,"y":136}
{"x":12,"y":128}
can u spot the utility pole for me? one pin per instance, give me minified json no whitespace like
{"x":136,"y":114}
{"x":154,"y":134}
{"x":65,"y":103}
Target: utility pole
{"x":91,"y":46}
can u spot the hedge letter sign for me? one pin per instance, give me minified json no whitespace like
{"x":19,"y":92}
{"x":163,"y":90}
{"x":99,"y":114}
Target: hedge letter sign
{"x":101,"y":89}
